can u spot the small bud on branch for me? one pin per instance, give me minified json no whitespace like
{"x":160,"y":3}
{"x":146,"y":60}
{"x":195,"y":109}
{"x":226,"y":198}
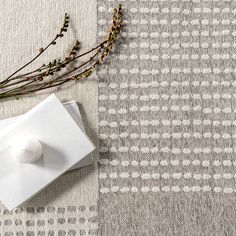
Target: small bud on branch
{"x":46,"y":75}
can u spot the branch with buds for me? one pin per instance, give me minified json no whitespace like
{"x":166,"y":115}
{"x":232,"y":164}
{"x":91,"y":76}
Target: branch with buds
{"x":47,"y":75}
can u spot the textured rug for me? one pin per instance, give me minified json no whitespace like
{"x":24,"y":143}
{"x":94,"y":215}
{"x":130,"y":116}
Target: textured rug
{"x":166,"y":113}
{"x":167,"y":120}
{"x":69,"y":205}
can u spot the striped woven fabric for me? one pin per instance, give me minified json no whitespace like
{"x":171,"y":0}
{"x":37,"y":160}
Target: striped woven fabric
{"x":165,"y":106}
{"x":167,"y":120}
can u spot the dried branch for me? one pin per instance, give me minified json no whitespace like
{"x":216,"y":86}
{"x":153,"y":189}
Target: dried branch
{"x":46,"y":76}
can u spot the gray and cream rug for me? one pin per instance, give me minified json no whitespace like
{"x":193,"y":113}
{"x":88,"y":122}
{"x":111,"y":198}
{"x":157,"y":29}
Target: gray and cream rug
{"x":167,"y":120}
{"x":164,"y":107}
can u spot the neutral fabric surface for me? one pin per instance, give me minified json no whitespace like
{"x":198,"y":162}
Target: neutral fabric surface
{"x":68,"y":206}
{"x":167,"y":120}
{"x":166,"y":116}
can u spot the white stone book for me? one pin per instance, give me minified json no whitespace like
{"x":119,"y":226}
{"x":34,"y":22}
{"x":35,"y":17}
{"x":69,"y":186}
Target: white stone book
{"x":64,"y":145}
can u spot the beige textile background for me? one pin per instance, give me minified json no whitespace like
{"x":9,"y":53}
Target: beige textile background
{"x":68,"y":206}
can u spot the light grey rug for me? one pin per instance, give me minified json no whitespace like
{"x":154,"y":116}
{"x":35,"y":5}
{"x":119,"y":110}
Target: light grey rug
{"x":69,"y":205}
{"x":167,"y":120}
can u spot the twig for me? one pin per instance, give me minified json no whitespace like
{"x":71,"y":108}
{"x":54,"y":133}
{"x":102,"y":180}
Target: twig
{"x":41,"y":78}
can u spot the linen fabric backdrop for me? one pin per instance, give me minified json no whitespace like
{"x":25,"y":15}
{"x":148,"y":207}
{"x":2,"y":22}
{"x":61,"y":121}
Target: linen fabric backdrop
{"x":69,"y":205}
{"x":162,"y":113}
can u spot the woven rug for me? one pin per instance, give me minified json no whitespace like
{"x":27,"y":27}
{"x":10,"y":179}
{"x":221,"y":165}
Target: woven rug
{"x":166,"y":116}
{"x":69,"y":205}
{"x":167,"y":120}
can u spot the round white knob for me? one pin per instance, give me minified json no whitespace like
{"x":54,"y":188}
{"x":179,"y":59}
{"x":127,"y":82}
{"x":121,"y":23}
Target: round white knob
{"x":26,"y":150}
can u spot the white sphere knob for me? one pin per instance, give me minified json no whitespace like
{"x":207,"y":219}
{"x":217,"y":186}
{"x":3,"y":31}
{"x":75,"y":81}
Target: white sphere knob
{"x":26,"y":150}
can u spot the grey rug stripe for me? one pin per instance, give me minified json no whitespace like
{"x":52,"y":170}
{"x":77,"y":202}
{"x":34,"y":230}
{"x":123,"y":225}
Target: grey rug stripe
{"x":167,"y":120}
